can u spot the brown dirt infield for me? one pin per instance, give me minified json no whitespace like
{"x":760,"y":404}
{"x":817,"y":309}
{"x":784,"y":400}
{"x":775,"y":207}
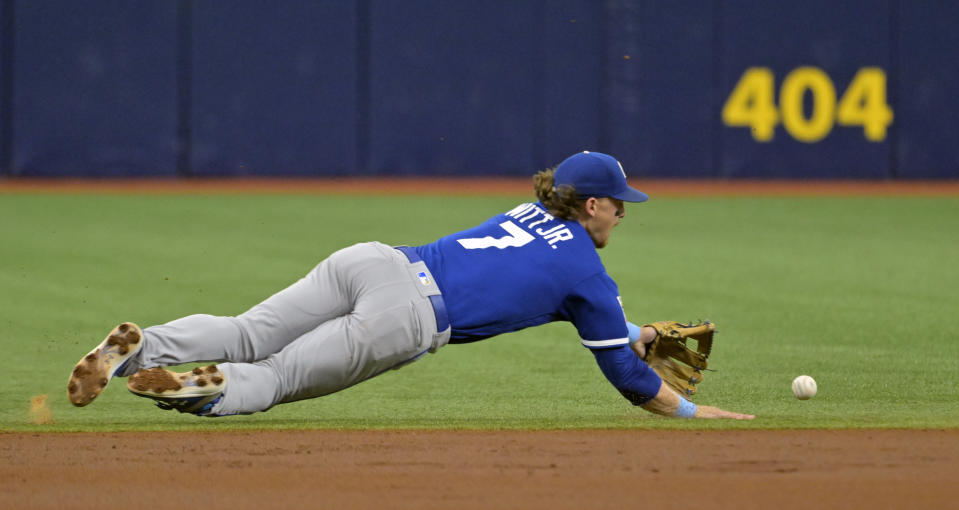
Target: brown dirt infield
{"x":813,"y":469}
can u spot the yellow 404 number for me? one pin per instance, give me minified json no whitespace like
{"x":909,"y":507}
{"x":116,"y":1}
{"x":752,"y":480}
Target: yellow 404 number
{"x":752,"y":104}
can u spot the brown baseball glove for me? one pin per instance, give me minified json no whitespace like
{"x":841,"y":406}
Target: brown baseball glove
{"x":672,"y":356}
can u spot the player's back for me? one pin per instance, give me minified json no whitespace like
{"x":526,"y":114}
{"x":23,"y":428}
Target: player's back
{"x":518,"y":269}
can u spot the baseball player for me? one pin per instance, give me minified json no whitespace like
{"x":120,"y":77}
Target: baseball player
{"x":371,"y":307}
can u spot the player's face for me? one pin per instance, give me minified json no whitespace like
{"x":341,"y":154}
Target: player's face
{"x":602,"y":214}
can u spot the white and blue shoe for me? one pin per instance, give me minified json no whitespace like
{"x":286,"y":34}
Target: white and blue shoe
{"x":194,"y":392}
{"x":92,"y":373}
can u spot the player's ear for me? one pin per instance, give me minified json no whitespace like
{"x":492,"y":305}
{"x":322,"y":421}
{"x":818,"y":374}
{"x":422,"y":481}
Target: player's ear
{"x":591,"y":206}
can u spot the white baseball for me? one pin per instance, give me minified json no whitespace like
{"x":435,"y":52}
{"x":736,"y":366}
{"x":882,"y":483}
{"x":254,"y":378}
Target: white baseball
{"x":804,"y":387}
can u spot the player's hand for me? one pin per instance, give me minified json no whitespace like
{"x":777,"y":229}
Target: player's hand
{"x":647,"y":334}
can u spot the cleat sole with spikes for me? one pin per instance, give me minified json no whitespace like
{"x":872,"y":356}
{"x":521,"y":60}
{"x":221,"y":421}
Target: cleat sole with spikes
{"x":92,"y":373}
{"x":187,"y":392}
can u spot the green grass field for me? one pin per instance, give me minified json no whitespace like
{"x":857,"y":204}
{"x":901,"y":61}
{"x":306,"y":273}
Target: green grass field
{"x":861,"y":293}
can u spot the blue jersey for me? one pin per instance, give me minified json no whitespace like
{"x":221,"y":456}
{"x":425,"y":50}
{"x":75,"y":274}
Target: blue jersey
{"x":525,"y":268}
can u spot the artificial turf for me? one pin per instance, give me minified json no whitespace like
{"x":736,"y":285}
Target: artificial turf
{"x":859,"y":292}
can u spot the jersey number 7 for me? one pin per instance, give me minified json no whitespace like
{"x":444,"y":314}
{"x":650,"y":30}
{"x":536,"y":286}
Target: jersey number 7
{"x":517,"y":237}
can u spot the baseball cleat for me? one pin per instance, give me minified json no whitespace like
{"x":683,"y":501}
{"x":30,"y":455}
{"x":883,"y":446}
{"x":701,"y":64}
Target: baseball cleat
{"x":190,"y":392}
{"x":95,"y":370}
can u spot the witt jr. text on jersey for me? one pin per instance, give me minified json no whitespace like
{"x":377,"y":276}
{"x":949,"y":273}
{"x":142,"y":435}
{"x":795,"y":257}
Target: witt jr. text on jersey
{"x":535,"y":220}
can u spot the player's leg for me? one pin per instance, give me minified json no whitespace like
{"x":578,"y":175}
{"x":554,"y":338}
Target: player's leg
{"x":254,"y":335}
{"x":392,"y":323}
{"x":263,"y":330}
{"x":335,"y":356}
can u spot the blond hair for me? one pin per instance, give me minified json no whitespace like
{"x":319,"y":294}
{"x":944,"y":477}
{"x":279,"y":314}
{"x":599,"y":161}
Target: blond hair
{"x":562,"y":202}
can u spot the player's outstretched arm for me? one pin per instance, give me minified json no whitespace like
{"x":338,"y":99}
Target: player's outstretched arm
{"x":667,"y":403}
{"x":636,"y":381}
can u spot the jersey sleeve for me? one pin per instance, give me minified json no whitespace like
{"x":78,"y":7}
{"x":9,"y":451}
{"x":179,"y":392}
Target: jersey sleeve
{"x":594,"y":308}
{"x":628,"y":374}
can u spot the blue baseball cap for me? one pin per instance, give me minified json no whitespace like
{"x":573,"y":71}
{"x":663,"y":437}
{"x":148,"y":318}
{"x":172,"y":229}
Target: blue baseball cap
{"x":595,"y":174}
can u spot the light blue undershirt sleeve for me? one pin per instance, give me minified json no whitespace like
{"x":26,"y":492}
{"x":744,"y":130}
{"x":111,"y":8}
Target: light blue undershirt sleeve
{"x":633,"y":332}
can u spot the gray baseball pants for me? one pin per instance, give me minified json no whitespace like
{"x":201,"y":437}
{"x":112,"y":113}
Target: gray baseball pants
{"x":360,"y":312}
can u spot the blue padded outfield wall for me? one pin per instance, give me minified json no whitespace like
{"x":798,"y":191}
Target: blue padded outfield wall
{"x":860,"y":89}
{"x":94,"y":88}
